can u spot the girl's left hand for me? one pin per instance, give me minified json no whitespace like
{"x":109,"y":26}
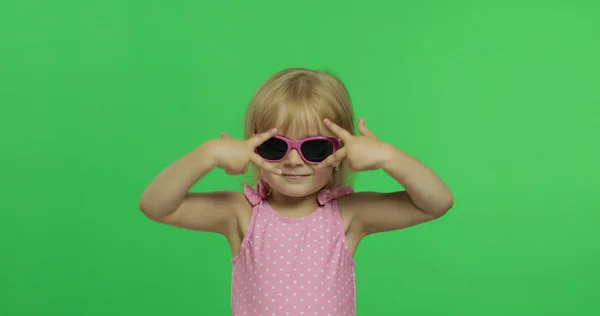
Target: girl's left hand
{"x":364,"y":152}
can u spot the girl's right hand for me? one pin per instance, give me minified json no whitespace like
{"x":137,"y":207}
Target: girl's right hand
{"x":234,"y":155}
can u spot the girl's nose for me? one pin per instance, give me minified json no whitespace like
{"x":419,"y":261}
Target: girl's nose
{"x":293,"y":158}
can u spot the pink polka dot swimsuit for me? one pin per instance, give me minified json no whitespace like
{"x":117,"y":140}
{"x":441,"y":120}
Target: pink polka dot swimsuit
{"x":294,"y":266}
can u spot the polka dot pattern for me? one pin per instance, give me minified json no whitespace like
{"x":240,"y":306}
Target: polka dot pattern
{"x":294,"y":266}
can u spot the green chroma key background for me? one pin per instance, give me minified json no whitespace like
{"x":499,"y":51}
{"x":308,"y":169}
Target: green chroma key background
{"x":499,"y":98}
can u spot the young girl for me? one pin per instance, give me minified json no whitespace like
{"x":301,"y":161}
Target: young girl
{"x":293,"y":238}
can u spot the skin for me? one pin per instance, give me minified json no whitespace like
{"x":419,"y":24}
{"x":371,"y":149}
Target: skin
{"x":167,"y":199}
{"x":425,"y":198}
{"x":297,"y":197}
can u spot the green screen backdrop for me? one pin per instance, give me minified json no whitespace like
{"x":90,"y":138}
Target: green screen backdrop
{"x":500,"y":98}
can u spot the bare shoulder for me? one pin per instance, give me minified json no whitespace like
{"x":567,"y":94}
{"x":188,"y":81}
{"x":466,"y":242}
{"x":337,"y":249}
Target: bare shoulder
{"x":373,"y":212}
{"x":350,"y":206}
{"x":216,"y":212}
{"x":353,"y":229}
{"x":242,"y":212}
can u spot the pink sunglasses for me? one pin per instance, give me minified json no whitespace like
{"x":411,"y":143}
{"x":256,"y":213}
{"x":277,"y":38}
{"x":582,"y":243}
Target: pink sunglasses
{"x":313,"y":150}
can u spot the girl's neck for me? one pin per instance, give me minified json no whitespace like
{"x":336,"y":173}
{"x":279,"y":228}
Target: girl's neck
{"x":293,"y":206}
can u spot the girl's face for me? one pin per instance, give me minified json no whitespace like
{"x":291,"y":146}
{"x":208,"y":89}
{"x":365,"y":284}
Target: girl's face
{"x":299,"y":178}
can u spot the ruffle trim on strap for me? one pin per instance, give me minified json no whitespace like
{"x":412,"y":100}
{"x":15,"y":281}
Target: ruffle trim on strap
{"x":255,"y":196}
{"x":327,"y":195}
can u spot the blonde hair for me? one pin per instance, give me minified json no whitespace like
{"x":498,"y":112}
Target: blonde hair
{"x":298,"y":98}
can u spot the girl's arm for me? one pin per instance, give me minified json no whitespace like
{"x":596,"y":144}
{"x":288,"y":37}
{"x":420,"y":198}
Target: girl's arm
{"x":167,"y":199}
{"x":426,"y":197}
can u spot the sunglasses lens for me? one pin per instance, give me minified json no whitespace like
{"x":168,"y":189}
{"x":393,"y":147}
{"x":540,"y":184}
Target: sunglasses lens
{"x":272,"y":149}
{"x":317,"y":150}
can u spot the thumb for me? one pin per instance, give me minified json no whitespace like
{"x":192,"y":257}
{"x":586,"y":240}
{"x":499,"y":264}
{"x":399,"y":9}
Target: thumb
{"x":225,"y":136}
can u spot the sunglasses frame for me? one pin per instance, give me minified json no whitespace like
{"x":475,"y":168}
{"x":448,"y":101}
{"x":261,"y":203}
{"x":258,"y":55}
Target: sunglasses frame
{"x":296,"y":144}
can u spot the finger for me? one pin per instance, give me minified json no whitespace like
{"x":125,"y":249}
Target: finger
{"x":362,"y":128}
{"x":257,"y":140}
{"x":262,"y":164}
{"x":334,"y":159}
{"x":343,"y":134}
{"x":225,"y":136}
